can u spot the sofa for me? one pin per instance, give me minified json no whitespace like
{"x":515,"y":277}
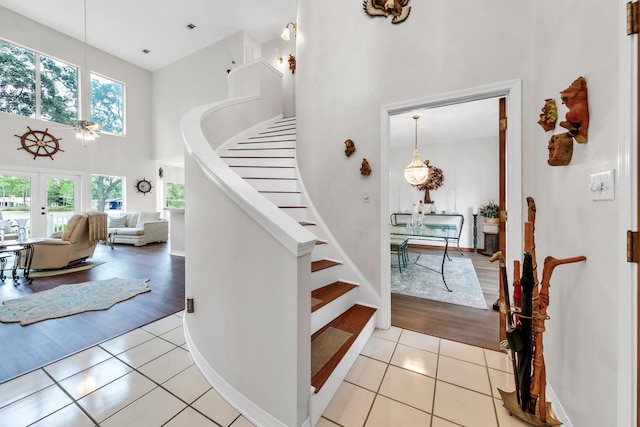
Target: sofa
{"x":138,"y":228}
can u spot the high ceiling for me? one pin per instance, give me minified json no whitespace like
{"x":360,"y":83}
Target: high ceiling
{"x":124,"y":28}
{"x":452,"y":123}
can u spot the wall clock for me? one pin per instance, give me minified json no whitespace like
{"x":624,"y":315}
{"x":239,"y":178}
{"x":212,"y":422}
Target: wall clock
{"x":143,"y":186}
{"x":40,"y":143}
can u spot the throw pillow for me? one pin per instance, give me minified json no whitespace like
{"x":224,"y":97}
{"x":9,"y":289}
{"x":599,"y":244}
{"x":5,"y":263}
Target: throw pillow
{"x":147,"y":217}
{"x":118,"y":221}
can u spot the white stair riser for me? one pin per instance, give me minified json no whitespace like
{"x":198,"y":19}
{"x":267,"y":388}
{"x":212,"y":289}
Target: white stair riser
{"x":320,"y":252}
{"x":321,"y":399}
{"x":260,"y":161}
{"x":268,"y":144}
{"x":283,"y":199}
{"x":253,"y":172}
{"x":299,"y":214}
{"x":324,"y":277}
{"x":335,"y":308}
{"x":274,"y":184}
{"x":264,"y":153}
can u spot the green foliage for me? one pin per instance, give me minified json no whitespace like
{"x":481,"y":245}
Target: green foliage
{"x":107,"y":104}
{"x":15,"y":186}
{"x":174,"y":195}
{"x":58,"y":91}
{"x":490,"y":209}
{"x":60,"y":195}
{"x":17,"y":80}
{"x":105,"y":187}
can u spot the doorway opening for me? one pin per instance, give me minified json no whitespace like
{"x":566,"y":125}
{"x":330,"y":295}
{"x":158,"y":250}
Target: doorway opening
{"x":452,"y":200}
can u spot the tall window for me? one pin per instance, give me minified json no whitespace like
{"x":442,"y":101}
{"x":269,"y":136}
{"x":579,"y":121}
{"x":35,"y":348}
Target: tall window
{"x":55,"y":98}
{"x":106,"y":193}
{"x":174,"y":195}
{"x":107,"y":104}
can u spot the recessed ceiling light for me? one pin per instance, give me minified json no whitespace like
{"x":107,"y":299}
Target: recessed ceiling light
{"x":146,"y":51}
{"x":191,"y":26}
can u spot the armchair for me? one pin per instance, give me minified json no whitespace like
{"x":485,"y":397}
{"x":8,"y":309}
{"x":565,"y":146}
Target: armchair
{"x":9,"y":234}
{"x":76,"y":243}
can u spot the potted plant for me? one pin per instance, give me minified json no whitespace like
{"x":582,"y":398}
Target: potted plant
{"x":490,"y":211}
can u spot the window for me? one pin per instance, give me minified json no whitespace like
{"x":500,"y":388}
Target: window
{"x":106,"y":193}
{"x":174,"y":195}
{"x":107,"y":104}
{"x":55,"y":98}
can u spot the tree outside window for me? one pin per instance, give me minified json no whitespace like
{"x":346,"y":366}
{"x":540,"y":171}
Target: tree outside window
{"x":174,"y":195}
{"x":106,"y":193}
{"x":107,"y":104}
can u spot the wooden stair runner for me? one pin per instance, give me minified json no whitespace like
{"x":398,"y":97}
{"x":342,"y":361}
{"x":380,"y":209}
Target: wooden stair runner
{"x":353,"y":320}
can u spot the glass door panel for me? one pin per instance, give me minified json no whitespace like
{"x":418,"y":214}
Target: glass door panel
{"x":60,"y":196}
{"x":47,"y":200}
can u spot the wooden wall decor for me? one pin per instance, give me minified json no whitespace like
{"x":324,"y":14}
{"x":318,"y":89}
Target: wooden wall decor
{"x":365,"y":169}
{"x":292,"y":63}
{"x":577,"y":118}
{"x":397,"y":8}
{"x":40,"y":143}
{"x":549,"y":115}
{"x":350,"y":147}
{"x":560,"y":149}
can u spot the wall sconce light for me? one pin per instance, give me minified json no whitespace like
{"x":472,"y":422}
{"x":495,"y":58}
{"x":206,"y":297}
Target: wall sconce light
{"x":286,"y":35}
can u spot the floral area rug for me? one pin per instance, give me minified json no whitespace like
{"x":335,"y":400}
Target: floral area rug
{"x":418,"y":281}
{"x":66,"y":300}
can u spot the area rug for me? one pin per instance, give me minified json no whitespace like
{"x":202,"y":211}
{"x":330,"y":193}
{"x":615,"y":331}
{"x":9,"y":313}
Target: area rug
{"x":66,"y":300}
{"x":325,"y":345}
{"x":417,"y":281}
{"x":81,"y":266}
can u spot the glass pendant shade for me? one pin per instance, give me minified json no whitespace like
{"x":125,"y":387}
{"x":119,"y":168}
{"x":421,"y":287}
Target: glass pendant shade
{"x":417,"y":172}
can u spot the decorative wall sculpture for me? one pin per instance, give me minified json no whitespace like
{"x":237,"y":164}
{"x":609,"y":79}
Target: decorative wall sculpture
{"x":365,"y":169}
{"x":560,"y":149}
{"x":577,"y":118}
{"x":549,"y":115}
{"x":435,"y":180}
{"x":350,"y":147}
{"x":397,"y":8}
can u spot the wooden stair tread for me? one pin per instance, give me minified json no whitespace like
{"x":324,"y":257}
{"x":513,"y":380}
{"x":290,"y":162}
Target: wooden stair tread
{"x":353,"y":320}
{"x":330,"y":292}
{"x":293,"y":207}
{"x":322,"y":264}
{"x":321,"y":242}
{"x":306,"y":223}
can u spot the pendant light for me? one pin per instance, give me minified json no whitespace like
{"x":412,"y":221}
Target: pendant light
{"x":86,"y":130}
{"x":417,"y":172}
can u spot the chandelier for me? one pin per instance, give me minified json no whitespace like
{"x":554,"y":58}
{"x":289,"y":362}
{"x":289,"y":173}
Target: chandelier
{"x":417,"y":172}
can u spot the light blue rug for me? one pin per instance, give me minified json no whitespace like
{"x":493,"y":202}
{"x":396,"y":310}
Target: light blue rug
{"x":418,"y":281}
{"x":66,"y":300}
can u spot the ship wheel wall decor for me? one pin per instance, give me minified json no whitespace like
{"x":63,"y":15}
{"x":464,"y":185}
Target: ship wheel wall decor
{"x":40,"y":143}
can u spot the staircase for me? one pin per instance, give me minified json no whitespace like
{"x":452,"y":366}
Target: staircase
{"x":267,"y":162}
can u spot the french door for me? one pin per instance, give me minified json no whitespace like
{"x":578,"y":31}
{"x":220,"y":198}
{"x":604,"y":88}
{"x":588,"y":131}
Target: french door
{"x":46,"y":199}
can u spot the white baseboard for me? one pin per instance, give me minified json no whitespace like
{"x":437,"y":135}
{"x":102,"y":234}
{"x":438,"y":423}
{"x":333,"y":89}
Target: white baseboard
{"x":556,"y":406}
{"x":177,"y":253}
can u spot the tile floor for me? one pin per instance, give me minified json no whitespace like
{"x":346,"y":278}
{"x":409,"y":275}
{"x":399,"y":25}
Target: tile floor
{"x":147,"y":378}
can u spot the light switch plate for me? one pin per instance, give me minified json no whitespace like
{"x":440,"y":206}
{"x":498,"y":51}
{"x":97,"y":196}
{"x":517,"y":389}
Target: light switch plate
{"x":601,"y":186}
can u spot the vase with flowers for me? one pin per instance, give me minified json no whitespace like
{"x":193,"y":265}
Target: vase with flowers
{"x":490,"y":211}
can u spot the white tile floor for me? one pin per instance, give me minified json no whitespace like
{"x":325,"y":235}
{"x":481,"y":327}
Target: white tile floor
{"x":147,"y":378}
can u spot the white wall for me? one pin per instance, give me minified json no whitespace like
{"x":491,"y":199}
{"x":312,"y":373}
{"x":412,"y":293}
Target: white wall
{"x":437,"y":50}
{"x":582,"y":331}
{"x":198,"y":79}
{"x":471,"y":178}
{"x":128,"y":156}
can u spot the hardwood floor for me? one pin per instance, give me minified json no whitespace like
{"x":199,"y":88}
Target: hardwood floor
{"x":25,"y":348}
{"x":450,"y":321}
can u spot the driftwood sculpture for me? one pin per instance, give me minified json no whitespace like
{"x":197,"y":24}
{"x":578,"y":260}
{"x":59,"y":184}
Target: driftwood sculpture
{"x":577,"y":118}
{"x":528,"y":402}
